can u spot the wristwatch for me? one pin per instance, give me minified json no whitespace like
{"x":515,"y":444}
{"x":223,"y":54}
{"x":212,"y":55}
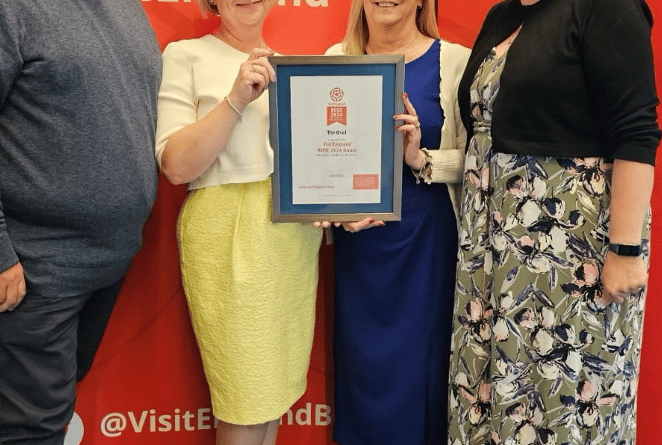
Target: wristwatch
{"x":625,"y":249}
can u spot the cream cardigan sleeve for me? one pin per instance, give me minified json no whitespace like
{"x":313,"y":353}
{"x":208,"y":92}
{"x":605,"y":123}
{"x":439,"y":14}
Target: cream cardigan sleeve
{"x":448,"y":161}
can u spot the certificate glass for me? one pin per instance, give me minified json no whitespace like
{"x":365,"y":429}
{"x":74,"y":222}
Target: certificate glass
{"x":337,"y":154}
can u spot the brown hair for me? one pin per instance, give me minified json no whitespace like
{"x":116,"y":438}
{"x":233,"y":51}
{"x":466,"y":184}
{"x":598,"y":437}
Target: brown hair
{"x":356,"y":37}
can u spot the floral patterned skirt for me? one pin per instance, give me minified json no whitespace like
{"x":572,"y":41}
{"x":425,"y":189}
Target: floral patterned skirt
{"x":539,"y":356}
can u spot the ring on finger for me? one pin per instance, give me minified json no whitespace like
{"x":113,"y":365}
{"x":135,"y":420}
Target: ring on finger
{"x":253,"y":66}
{"x":418,"y":125}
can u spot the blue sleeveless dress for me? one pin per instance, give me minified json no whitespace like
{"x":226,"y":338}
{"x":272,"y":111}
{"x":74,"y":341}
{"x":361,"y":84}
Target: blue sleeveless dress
{"x":394,"y":300}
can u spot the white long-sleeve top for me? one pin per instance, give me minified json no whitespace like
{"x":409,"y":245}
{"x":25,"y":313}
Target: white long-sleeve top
{"x":197,"y":75}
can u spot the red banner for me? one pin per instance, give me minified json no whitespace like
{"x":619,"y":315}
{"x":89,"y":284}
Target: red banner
{"x":147,"y":385}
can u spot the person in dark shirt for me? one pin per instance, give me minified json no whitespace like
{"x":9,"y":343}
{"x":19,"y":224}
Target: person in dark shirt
{"x":78,"y":87}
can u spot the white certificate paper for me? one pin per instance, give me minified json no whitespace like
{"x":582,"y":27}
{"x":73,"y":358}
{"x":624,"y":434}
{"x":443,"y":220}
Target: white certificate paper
{"x":336,"y":139}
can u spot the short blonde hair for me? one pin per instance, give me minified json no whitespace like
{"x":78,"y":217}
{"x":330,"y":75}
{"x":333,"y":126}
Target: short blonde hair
{"x":356,"y":37}
{"x":207,"y":6}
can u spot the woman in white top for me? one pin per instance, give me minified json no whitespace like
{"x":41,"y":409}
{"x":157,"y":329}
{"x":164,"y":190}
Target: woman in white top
{"x":250,"y":284}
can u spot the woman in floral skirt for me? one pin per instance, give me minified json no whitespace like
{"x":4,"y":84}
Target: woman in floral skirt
{"x":559,"y":100}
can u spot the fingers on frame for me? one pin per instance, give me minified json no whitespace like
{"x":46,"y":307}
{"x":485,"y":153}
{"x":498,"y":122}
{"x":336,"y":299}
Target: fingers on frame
{"x":260,"y":52}
{"x":409,"y":106}
{"x":263,"y":63}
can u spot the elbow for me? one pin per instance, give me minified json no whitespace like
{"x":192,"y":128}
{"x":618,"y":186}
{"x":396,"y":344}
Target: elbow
{"x":173,"y":170}
{"x":174,"y":175}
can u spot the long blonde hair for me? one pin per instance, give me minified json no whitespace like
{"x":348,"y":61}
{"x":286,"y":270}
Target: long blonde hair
{"x":356,"y":37}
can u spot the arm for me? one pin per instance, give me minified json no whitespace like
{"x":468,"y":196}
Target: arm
{"x":623,"y":84}
{"x":447,"y":163}
{"x":186,"y":146}
{"x":632,"y":185}
{"x":12,"y":280}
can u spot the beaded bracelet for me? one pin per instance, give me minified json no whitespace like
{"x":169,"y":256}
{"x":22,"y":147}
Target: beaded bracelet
{"x":425,"y":172}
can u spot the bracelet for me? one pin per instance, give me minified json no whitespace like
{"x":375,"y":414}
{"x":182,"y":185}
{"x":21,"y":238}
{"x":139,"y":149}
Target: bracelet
{"x":425,"y":172}
{"x":232,"y":106}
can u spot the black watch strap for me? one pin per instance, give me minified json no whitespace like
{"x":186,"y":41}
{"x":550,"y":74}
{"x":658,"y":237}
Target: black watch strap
{"x":625,"y":249}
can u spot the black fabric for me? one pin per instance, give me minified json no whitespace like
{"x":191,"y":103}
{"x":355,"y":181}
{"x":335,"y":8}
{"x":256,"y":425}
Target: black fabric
{"x":92,"y":322}
{"x":578,"y":81}
{"x":42,"y":343}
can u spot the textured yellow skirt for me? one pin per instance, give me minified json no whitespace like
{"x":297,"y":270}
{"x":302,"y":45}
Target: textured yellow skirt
{"x":251,"y":287}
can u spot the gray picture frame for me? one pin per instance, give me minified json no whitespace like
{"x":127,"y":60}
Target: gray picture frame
{"x":391,"y":68}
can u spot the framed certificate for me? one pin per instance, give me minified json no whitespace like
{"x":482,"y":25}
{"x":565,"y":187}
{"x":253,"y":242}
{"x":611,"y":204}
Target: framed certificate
{"x":337,"y":154}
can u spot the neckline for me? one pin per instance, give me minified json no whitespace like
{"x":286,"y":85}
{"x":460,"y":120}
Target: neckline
{"x":537,"y":5}
{"x":424,"y":53}
{"x":215,"y":38}
{"x":402,"y":53}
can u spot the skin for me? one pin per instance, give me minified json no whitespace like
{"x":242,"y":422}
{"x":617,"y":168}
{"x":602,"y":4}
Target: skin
{"x":12,"y":288}
{"x":264,"y":434}
{"x":632,"y":187}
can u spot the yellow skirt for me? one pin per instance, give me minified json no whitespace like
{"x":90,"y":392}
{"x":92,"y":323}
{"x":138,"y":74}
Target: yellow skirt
{"x":251,"y":287}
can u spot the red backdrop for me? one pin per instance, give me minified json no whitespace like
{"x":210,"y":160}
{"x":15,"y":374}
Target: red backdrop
{"x":147,"y":384}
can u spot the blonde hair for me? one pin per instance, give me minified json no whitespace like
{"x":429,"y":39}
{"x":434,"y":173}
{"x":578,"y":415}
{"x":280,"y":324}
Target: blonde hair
{"x":207,"y":6}
{"x":356,"y":37}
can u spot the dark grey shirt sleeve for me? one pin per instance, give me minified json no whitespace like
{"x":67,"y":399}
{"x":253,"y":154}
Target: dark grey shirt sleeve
{"x":10,"y":68}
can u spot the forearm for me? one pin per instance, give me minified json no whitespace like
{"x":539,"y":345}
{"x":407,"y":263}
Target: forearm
{"x":192,"y":149}
{"x":631,"y":189}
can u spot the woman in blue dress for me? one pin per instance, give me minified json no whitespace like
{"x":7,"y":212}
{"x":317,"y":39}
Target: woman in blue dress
{"x":394,"y":282}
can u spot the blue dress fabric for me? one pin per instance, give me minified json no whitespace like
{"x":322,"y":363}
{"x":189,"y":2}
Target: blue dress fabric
{"x":394,"y":300}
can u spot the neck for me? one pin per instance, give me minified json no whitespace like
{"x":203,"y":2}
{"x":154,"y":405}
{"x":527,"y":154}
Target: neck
{"x":390,"y":40}
{"x":244,"y":39}
{"x":529,"y":2}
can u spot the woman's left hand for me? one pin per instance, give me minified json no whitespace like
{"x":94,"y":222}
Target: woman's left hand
{"x":622,"y":276}
{"x":411,"y":134}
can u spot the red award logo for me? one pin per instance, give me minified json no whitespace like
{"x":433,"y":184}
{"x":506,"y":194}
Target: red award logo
{"x":336,"y":111}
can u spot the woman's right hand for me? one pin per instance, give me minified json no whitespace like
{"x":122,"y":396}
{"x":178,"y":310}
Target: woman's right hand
{"x":354,"y":226}
{"x":623,"y":276}
{"x":253,"y":78}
